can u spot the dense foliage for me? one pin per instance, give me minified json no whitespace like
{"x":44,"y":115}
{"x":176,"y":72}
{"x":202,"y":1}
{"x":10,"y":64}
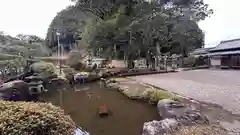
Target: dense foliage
{"x":15,"y":52}
{"x":142,"y":28}
{"x":26,"y":118}
{"x":67,"y":22}
{"x":22,"y":46}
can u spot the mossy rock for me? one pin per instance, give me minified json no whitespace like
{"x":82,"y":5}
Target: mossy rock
{"x":44,"y":69}
{"x":155,"y":95}
{"x":27,"y":118}
{"x":136,"y":93}
{"x":152,"y":95}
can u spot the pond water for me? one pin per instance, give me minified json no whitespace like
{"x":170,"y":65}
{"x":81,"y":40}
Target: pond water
{"x":82,"y":102}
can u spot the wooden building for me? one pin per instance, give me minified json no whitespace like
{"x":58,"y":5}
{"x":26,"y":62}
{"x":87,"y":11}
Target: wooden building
{"x":200,"y":52}
{"x":226,"y":54}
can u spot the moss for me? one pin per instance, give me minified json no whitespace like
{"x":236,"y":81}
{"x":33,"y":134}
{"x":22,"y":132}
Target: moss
{"x":26,"y":118}
{"x":156,"y":95}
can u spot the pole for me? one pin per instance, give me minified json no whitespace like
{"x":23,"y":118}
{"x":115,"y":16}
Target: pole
{"x":130,"y":44}
{"x":59,"y":49}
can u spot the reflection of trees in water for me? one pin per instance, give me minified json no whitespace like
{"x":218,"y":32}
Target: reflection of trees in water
{"x":60,"y":97}
{"x":101,"y":84}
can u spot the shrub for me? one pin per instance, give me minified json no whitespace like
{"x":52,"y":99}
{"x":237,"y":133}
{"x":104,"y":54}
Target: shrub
{"x":200,"y":61}
{"x":74,"y":60}
{"x":26,"y":118}
{"x":44,"y":69}
{"x":189,"y":61}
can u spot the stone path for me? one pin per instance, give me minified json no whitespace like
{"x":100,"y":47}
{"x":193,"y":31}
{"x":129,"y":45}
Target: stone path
{"x":220,"y":87}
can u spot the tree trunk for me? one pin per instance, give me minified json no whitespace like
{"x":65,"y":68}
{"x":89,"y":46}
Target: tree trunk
{"x":158,"y":55}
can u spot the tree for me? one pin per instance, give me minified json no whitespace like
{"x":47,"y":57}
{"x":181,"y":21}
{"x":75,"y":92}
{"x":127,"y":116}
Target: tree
{"x":30,"y":38}
{"x":68,"y":22}
{"x":74,"y":18}
{"x":195,"y":9}
{"x":148,"y":29}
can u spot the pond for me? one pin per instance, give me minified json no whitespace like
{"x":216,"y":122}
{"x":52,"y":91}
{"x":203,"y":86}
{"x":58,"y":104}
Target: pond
{"x":82,"y":102}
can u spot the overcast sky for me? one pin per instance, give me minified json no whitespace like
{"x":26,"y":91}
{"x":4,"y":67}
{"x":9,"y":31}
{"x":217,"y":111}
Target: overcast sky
{"x":34,"y":17}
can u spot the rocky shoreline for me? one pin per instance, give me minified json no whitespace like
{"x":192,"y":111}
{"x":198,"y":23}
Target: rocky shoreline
{"x":179,"y":116}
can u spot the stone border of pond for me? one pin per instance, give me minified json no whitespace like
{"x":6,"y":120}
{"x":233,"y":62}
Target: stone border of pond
{"x":138,"y":91}
{"x":125,"y":73}
{"x":178,"y":113}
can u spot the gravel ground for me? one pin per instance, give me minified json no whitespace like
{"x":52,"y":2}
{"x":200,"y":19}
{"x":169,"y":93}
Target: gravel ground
{"x":220,"y":87}
{"x":217,"y":90}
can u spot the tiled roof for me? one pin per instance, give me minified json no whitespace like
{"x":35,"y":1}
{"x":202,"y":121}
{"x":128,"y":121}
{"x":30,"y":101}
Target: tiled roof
{"x":228,"y":44}
{"x":224,"y":53}
{"x":200,"y":51}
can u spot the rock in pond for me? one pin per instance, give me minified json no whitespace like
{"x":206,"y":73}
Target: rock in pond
{"x":174,"y":115}
{"x":186,"y":115}
{"x":160,"y":127}
{"x":15,"y":91}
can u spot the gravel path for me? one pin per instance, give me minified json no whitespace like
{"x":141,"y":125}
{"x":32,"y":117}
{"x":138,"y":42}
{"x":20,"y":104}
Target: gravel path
{"x":220,"y":87}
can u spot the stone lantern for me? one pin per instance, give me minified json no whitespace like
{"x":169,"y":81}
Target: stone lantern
{"x":35,"y":85}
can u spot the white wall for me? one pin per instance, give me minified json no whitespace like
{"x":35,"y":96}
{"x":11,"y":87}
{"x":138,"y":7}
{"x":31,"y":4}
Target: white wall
{"x":215,"y":61}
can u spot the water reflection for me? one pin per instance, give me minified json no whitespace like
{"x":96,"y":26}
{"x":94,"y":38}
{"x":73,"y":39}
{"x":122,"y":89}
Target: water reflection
{"x":83,"y":87}
{"x":82,"y":103}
